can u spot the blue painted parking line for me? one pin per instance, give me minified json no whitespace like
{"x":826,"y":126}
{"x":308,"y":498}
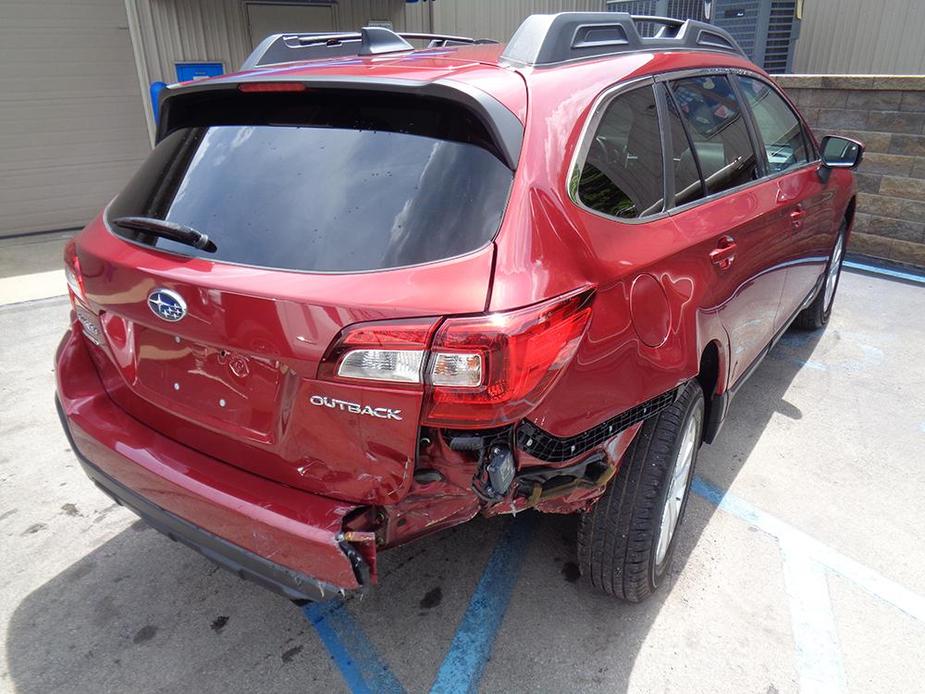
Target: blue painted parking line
{"x":350,"y":649}
{"x":805,"y":561}
{"x":464,"y":664}
{"x":885,"y":271}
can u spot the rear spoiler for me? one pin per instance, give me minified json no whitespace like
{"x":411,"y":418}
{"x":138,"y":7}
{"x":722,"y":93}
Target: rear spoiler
{"x":177,"y":104}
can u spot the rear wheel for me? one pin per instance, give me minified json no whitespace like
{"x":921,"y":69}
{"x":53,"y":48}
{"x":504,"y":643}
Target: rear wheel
{"x":626,"y":540}
{"x":816,"y":315}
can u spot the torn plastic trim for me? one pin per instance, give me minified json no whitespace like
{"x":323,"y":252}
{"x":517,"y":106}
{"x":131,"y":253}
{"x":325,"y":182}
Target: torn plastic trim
{"x":557,"y":449}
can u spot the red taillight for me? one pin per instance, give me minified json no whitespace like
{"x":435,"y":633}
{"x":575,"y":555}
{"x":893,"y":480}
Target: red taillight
{"x":272,"y":87}
{"x":521,"y":355}
{"x":88,"y":320}
{"x":75,"y":282}
{"x":479,"y":371}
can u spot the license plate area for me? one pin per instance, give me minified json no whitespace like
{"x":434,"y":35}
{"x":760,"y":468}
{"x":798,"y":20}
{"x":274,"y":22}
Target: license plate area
{"x":205,"y":382}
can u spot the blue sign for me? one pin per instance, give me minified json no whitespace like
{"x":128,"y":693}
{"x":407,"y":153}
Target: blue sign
{"x":197,"y":71}
{"x":156,"y":88}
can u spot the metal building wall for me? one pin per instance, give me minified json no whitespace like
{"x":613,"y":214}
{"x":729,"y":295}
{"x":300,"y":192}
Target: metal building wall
{"x":497,"y":19}
{"x":72,"y":127}
{"x":165,"y":32}
{"x":867,"y":37}
{"x":353,"y":14}
{"x":171,"y":31}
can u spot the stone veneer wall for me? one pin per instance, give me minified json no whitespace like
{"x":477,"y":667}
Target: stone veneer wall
{"x":887,"y":114}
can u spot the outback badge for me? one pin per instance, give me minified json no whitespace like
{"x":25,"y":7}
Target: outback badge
{"x":355,"y":408}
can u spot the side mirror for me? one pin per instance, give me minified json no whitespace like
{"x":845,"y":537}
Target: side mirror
{"x":839,"y":153}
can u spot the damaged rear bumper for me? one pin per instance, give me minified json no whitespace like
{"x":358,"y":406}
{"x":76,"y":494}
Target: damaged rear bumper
{"x":285,"y":539}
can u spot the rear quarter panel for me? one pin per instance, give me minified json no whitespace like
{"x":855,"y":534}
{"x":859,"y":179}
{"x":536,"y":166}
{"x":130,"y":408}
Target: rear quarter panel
{"x":549,"y":245}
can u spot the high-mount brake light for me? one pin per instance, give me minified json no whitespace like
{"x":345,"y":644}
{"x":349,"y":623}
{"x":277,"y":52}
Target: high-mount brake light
{"x":272,"y":87}
{"x":478,"y":371}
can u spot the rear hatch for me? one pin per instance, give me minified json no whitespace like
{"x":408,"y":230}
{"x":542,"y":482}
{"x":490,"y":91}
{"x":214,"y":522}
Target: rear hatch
{"x":326,"y":209}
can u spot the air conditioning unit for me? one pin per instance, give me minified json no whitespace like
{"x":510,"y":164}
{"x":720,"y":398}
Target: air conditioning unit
{"x":766,"y":30}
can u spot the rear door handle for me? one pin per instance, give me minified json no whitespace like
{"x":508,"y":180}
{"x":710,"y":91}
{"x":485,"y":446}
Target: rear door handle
{"x":724,"y":253}
{"x":796,"y":217}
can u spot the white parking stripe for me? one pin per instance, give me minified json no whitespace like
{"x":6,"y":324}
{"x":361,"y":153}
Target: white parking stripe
{"x":819,"y":660}
{"x":805,"y":560}
{"x":875,"y":583}
{"x":39,"y":285}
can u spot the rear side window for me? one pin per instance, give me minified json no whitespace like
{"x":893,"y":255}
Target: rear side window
{"x":324,"y":182}
{"x":715,"y":124}
{"x":688,"y":186}
{"x":779,"y":128}
{"x":622,"y":171}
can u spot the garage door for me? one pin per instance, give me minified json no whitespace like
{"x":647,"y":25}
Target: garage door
{"x":72,"y":123}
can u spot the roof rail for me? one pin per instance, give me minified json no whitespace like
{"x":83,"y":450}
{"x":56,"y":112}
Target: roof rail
{"x":285,"y":48}
{"x":549,"y":39}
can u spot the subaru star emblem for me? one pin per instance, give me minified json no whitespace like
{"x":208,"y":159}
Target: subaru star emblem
{"x":167,"y":305}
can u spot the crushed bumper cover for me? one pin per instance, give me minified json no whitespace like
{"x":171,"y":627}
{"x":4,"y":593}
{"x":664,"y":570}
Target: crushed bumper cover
{"x":284,"y":539}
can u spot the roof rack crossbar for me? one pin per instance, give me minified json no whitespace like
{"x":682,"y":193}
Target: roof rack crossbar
{"x":549,"y":39}
{"x":440,"y":40}
{"x":285,"y":48}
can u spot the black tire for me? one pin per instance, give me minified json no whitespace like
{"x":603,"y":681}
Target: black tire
{"x":618,"y":536}
{"x":816,"y":315}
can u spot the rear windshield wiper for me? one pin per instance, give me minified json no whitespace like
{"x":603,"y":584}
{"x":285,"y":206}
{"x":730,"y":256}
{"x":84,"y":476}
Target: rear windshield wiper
{"x":168,"y":230}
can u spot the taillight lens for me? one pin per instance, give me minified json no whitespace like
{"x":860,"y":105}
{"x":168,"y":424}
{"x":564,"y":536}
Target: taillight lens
{"x":72,"y":274}
{"x":399,"y":365}
{"x":89,"y":322}
{"x":479,"y":371}
{"x":516,"y":356}
{"x":391,"y":351}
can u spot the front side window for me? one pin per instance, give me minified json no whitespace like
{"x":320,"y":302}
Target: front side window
{"x":716,"y":126}
{"x":622,"y":171}
{"x":779,"y":128}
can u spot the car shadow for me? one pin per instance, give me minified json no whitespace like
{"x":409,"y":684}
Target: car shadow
{"x":142,"y":613}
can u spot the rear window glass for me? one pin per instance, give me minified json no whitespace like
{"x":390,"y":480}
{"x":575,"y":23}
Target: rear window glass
{"x":324,"y":183}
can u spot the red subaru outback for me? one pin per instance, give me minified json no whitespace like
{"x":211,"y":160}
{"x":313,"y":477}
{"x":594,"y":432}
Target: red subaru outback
{"x":359,"y":292}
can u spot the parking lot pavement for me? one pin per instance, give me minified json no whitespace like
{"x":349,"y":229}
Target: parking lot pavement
{"x":800,"y":562}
